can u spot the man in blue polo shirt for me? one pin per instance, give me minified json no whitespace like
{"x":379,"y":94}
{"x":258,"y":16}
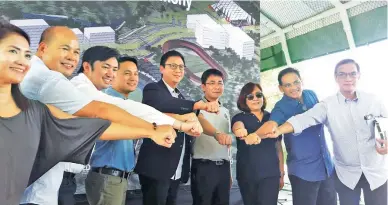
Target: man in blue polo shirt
{"x":310,"y":166}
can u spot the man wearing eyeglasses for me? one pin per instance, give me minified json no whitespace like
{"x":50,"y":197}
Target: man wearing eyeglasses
{"x":162,"y":170}
{"x":360,"y":162}
{"x":309,"y":163}
{"x":210,"y":171}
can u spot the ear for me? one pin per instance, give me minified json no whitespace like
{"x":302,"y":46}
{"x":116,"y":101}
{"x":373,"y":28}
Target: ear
{"x":281,"y":88}
{"x":42,"y":47}
{"x":161,"y":68}
{"x":203,"y":87}
{"x":87,"y":67}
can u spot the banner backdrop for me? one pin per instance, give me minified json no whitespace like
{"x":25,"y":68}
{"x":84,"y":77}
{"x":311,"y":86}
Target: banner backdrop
{"x":210,"y":34}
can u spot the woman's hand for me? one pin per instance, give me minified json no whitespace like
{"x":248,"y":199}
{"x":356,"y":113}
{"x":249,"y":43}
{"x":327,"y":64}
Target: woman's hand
{"x":252,"y":139}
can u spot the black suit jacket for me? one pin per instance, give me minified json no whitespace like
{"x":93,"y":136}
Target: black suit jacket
{"x":156,"y":161}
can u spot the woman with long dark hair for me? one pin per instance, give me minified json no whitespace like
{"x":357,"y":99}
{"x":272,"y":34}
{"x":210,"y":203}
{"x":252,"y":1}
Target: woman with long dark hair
{"x":259,"y":160}
{"x":33,"y":136}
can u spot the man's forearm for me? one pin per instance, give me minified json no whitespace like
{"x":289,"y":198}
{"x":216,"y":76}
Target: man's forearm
{"x":112,"y":113}
{"x":286,"y":128}
{"x":123,"y":132}
{"x":208,"y":128}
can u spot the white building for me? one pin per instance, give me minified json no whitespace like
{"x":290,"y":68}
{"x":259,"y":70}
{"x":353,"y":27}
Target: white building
{"x":207,"y":31}
{"x":79,"y":34}
{"x":240,"y":42}
{"x":232,"y":11}
{"x":99,"y":35}
{"x":33,"y":27}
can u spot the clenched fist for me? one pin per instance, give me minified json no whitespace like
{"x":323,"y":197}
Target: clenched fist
{"x":252,"y":139}
{"x":164,"y":136}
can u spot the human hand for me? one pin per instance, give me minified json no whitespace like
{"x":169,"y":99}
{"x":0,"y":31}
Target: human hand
{"x":224,"y":139}
{"x":189,"y":117}
{"x":382,"y":146}
{"x":164,"y":136}
{"x":241,"y":133}
{"x":267,"y":129}
{"x":192,"y":128}
{"x":252,"y":139}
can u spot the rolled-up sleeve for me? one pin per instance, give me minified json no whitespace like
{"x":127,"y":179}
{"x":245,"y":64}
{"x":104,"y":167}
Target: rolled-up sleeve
{"x":278,"y":115}
{"x":314,"y":116}
{"x":62,"y":94}
{"x":137,"y":109}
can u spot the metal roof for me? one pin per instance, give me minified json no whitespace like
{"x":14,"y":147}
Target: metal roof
{"x":28,"y":22}
{"x":281,"y":21}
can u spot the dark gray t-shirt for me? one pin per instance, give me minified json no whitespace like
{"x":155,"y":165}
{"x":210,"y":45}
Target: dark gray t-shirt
{"x":33,"y":141}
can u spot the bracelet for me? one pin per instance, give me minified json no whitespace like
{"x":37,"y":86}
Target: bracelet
{"x":155,"y":125}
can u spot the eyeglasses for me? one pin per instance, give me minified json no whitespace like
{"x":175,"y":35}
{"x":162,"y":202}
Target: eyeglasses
{"x":343,"y":75}
{"x":174,"y":66}
{"x":289,"y":85}
{"x":257,"y":94}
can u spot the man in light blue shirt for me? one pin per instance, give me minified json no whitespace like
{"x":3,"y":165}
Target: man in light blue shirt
{"x":114,"y":155}
{"x":361,"y":162}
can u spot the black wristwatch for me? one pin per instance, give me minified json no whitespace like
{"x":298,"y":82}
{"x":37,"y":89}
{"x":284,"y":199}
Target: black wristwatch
{"x":155,"y":125}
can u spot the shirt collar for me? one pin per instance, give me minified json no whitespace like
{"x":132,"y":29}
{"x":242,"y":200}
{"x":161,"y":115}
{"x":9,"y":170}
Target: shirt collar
{"x":293,"y":101}
{"x":172,"y":90}
{"x":342,"y":99}
{"x":82,"y":78}
{"x":204,"y":99}
{"x":114,"y":92}
{"x":35,"y":60}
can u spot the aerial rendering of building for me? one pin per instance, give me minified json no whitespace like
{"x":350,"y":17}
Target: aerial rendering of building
{"x":33,"y":27}
{"x":207,"y":31}
{"x":99,"y":35}
{"x":244,"y":46}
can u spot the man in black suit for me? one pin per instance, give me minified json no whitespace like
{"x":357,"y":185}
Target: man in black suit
{"x":161,"y":170}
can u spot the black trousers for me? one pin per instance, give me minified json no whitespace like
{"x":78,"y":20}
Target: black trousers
{"x":67,"y":189}
{"x":348,"y":196}
{"x":313,"y":193}
{"x":260,"y":192}
{"x":210,"y":182}
{"x":159,"y":192}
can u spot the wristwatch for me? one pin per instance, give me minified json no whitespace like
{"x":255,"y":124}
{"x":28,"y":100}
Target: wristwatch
{"x":216,"y":133}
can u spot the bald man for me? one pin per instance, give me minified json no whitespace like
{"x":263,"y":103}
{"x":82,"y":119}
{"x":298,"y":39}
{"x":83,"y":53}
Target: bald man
{"x":57,"y":56}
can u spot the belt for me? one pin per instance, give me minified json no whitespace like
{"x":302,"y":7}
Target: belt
{"x":216,"y":162}
{"x":112,"y":172}
{"x":68,"y":175}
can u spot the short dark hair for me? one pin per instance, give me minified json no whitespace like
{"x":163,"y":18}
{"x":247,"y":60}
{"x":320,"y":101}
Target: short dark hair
{"x":287,"y":71}
{"x":125,"y":58}
{"x":7,"y":29}
{"x":346,"y":61}
{"x":209,"y":72}
{"x":242,"y":98}
{"x":169,"y":54}
{"x":98,"y":53}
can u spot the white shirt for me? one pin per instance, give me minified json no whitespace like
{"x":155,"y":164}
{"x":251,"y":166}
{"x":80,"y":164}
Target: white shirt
{"x":178,"y":172}
{"x":353,"y":137}
{"x":50,"y":87}
{"x":137,"y":109}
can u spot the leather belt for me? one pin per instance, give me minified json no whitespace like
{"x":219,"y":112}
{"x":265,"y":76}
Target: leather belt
{"x":112,"y":172}
{"x":217,"y":162}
